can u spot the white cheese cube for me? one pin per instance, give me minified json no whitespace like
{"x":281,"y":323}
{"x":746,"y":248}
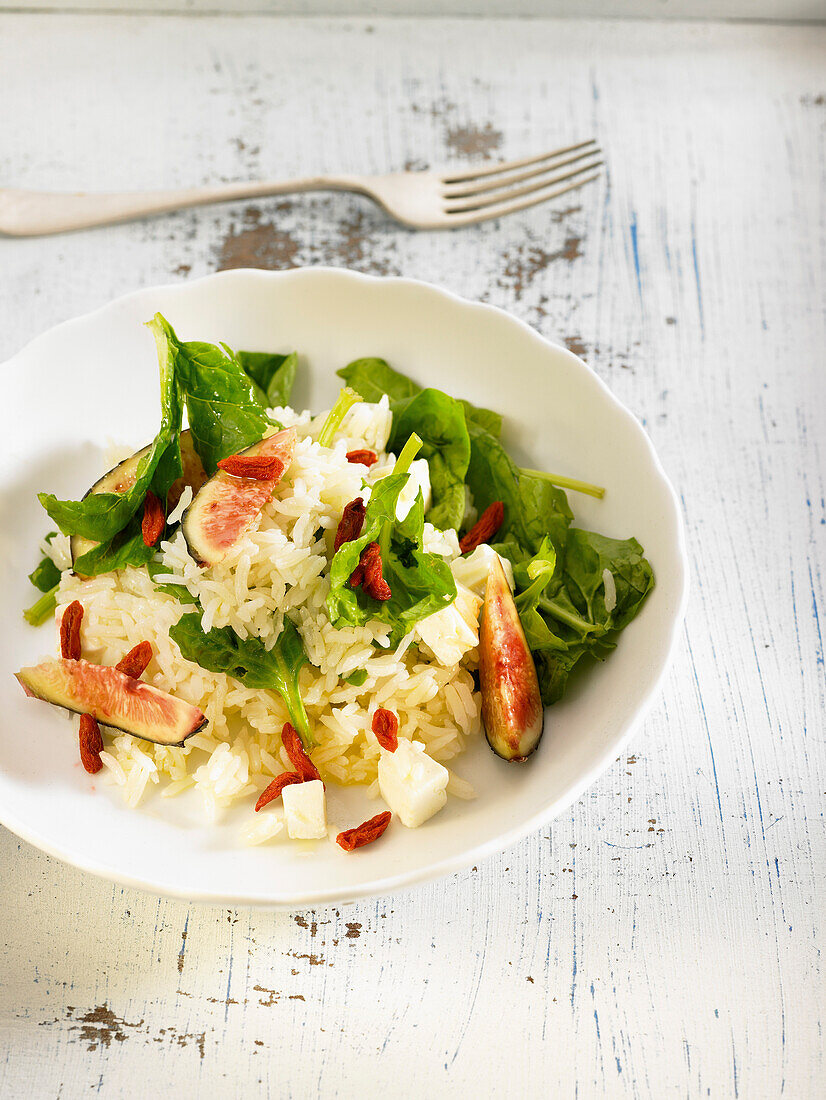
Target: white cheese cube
{"x":412,"y":784}
{"x":473,"y":570}
{"x":454,"y":630}
{"x":419,"y":479}
{"x":305,"y":810}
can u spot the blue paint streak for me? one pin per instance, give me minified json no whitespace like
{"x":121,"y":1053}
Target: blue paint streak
{"x":697,"y":280}
{"x":635,"y":248}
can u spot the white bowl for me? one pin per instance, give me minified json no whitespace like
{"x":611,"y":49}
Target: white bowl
{"x":95,"y":379}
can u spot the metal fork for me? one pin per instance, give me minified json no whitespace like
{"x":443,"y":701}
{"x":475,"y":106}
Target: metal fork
{"x":421,"y":200}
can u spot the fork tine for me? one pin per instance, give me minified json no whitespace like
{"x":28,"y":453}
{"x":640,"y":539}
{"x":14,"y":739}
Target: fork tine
{"x":489,"y":212}
{"x":512,"y":165}
{"x":482,"y":202}
{"x":466,"y":189}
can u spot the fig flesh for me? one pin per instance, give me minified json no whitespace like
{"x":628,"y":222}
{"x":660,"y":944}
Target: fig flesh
{"x":122,"y":477}
{"x":512,"y":708}
{"x":114,"y":699}
{"x":225,"y":506}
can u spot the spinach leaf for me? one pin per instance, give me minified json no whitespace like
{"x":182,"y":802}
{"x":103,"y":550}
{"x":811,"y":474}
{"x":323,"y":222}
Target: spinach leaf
{"x":356,"y":678}
{"x":126,"y":548}
{"x":420,"y":583}
{"x":273,"y":374}
{"x":40,"y":611}
{"x":534,"y":508}
{"x":101,"y":516}
{"x":222,"y":401}
{"x":248,"y":660}
{"x":439,"y":421}
{"x":45,"y":576}
{"x":373,"y":378}
{"x":563,"y":612}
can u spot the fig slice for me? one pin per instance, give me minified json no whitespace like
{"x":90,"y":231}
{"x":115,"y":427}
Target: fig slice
{"x":225,"y":506}
{"x":512,"y":708}
{"x":122,"y":477}
{"x":114,"y":699}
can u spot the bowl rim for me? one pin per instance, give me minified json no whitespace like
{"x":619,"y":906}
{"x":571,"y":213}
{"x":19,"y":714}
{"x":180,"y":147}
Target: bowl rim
{"x":406,"y":880}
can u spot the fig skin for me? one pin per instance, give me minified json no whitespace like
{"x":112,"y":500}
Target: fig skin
{"x":122,"y":477}
{"x":225,"y":506}
{"x":114,"y":699}
{"x":512,"y":709}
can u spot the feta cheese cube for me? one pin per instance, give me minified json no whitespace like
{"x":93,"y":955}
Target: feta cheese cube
{"x":473,"y":570}
{"x":305,"y":810}
{"x":419,"y":479}
{"x":412,"y":784}
{"x":454,"y":630}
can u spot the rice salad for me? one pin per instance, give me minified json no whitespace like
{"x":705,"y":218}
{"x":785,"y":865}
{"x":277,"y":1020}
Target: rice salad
{"x":268,"y":601}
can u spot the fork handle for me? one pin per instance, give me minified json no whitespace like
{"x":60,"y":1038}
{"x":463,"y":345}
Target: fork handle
{"x":34,"y":213}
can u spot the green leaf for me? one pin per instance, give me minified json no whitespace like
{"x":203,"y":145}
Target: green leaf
{"x":101,"y":516}
{"x":273,"y":374}
{"x":248,"y":660}
{"x":45,"y":576}
{"x":40,"y":611}
{"x":356,"y":678}
{"x":126,"y":548}
{"x":222,"y":402}
{"x":420,"y":583}
{"x":534,"y":508}
{"x":571,"y":621}
{"x":439,"y":421}
{"x":373,"y":378}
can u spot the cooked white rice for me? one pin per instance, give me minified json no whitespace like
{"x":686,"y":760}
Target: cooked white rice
{"x":277,"y":568}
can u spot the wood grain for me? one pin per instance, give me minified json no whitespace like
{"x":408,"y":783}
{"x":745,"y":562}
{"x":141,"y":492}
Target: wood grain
{"x":665,"y":937}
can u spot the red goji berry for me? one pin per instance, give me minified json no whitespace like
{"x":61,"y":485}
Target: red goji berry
{"x":350,"y":524}
{"x":135,"y":661}
{"x":386,"y":728}
{"x":70,"y":631}
{"x":298,"y":757}
{"x":91,"y":744}
{"x":485,"y":527}
{"x":154,"y":519}
{"x":365,"y":833}
{"x":275,"y":788}
{"x":256,"y":467}
{"x":365,"y":457}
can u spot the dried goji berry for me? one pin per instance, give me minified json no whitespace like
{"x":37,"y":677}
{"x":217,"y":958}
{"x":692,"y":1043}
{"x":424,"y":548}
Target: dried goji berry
{"x":70,"y":631}
{"x":154,"y":519}
{"x":374,"y":583}
{"x":298,"y":757}
{"x":386,"y":728}
{"x":350,"y":524}
{"x":135,"y":661}
{"x":365,"y":833}
{"x":485,"y":527}
{"x":368,"y":573}
{"x":256,"y":467}
{"x":365,"y":457}
{"x":91,"y":744}
{"x":276,"y":787}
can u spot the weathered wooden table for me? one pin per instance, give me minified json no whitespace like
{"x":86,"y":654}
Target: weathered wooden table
{"x":664,"y":938}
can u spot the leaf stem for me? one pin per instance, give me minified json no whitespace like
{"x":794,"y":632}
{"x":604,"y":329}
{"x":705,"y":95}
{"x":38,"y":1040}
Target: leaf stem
{"x":565,"y":616}
{"x":345,"y":401}
{"x":569,"y":483}
{"x":39,"y":612}
{"x":407,"y":454}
